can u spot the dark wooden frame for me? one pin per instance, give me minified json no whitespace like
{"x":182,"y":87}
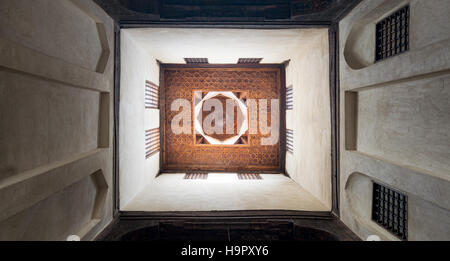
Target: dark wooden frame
{"x":334,"y":104}
{"x":333,"y":38}
{"x":132,"y":221}
{"x":231,"y":214}
{"x":116,"y":187}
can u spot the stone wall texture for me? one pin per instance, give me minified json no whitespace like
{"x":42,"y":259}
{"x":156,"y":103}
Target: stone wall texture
{"x":394,"y":119}
{"x":56,"y":90}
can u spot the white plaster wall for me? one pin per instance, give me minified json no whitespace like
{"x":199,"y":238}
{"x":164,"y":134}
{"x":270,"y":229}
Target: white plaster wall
{"x":171,"y":45}
{"x":137,"y":66}
{"x":310,"y":166}
{"x":401,"y":120}
{"x":55,"y":114}
{"x":308,"y":73}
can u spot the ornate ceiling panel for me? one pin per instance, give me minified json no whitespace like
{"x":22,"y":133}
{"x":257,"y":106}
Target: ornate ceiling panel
{"x":187,"y":151}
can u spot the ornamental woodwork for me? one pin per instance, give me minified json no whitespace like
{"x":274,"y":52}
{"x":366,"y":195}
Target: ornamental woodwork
{"x":180,"y":151}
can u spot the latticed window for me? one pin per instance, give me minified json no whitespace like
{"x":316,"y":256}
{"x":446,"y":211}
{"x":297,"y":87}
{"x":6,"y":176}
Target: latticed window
{"x":196,"y":60}
{"x":290,"y":141}
{"x":390,"y":210}
{"x":151,"y":95}
{"x":289,"y":98}
{"x":392,"y":35}
{"x":249,"y":60}
{"x":152,"y":142}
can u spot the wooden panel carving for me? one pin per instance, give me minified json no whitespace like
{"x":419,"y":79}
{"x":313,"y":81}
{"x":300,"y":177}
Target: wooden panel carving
{"x":181,"y":151}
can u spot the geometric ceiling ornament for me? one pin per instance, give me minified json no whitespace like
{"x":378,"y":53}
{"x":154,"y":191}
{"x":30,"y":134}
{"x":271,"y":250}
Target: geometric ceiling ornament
{"x":240,"y":118}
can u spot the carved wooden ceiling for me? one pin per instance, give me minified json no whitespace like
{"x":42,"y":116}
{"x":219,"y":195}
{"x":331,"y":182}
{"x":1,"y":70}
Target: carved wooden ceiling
{"x":188,"y":152}
{"x":145,"y":11}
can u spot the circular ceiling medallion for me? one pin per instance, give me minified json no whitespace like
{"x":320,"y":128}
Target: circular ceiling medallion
{"x":241,"y":127}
